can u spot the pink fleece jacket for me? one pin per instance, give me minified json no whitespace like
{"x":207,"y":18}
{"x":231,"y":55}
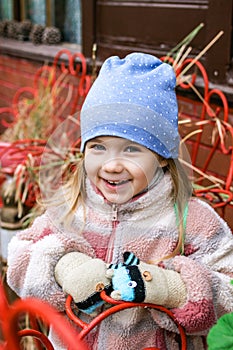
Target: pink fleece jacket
{"x":146,"y":227}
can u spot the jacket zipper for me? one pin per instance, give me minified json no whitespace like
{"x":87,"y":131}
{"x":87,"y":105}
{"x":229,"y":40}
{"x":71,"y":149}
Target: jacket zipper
{"x":113,"y":233}
{"x":114,"y":213}
{"x":109,"y":252}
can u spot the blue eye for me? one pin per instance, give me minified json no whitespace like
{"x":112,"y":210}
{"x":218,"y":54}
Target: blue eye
{"x":132,"y":284}
{"x":98,"y":147}
{"x":131,"y":149}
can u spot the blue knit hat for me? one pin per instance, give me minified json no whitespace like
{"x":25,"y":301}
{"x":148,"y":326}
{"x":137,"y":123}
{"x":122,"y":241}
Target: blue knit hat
{"x":134,"y":98}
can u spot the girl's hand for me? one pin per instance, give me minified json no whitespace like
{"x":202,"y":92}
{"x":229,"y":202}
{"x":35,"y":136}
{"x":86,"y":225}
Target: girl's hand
{"x":140,"y":282}
{"x":83,"y":278}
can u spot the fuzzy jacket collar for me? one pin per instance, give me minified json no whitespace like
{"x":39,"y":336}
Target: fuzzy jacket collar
{"x":153,"y":202}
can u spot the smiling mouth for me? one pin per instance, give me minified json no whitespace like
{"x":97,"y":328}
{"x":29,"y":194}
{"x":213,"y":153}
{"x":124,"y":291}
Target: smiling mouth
{"x":116,"y":183}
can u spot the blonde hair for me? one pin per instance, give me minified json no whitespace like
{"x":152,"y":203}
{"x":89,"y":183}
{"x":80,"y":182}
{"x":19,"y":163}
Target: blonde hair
{"x":74,"y":191}
{"x":182,"y":191}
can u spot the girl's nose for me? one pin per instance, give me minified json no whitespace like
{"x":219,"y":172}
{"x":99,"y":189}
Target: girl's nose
{"x":113,"y":165}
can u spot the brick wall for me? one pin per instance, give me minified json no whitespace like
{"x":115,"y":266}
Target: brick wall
{"x":15,"y":73}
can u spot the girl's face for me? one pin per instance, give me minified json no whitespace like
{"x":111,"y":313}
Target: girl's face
{"x":119,"y":168}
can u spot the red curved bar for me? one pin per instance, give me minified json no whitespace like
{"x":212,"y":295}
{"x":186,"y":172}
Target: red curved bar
{"x":167,"y":59}
{"x":77,"y":69}
{"x":36,"y":335}
{"x":9,"y":315}
{"x":19,"y":93}
{"x":118,"y":306}
{"x":62,"y":64}
{"x":222,"y":98}
{"x":10,"y":111}
{"x":207,"y":194}
{"x":202,"y":70}
{"x":49,"y":77}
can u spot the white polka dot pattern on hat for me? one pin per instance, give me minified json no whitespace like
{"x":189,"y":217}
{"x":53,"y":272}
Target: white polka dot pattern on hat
{"x":134,"y":98}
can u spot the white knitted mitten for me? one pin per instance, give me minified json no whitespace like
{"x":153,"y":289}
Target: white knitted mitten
{"x":83,"y":278}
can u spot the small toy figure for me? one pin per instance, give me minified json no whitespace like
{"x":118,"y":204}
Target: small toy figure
{"x":136,"y":281}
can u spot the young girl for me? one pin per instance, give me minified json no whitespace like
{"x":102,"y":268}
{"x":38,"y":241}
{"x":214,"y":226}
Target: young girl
{"x":130,"y":194}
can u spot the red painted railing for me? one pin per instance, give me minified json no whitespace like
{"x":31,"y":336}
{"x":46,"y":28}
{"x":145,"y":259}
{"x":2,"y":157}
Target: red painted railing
{"x":212,"y":121}
{"x":12,"y":335}
{"x":37,"y":309}
{"x":118,"y":306}
{"x":75,"y":81}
